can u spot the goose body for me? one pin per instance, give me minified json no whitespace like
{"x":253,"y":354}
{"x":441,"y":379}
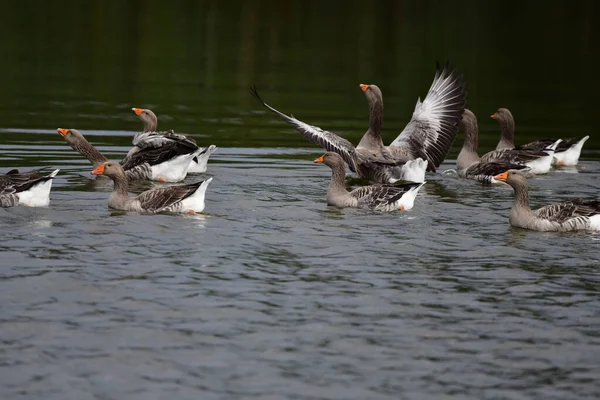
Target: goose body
{"x":167,"y":163}
{"x":151,"y":138}
{"x":175,"y":199}
{"x":379,"y":197}
{"x":572,"y":215}
{"x":538,"y":161}
{"x":566,"y":153}
{"x":468,"y":163}
{"x":420,"y":147}
{"x":29,"y":189}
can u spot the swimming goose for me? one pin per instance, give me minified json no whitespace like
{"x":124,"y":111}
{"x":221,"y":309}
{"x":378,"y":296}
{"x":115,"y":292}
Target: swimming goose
{"x":168,"y":163}
{"x":150,"y":137}
{"x":572,"y":215}
{"x":28,"y":188}
{"x":376,"y":197}
{"x":178,"y":199}
{"x":420,"y":147}
{"x":538,"y":161}
{"x":468,"y":163}
{"x":567,"y":152}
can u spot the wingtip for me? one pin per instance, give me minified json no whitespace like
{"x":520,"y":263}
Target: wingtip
{"x":54,"y":173}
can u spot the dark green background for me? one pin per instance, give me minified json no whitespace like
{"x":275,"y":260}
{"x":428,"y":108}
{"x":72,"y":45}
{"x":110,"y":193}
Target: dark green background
{"x":84,"y":64}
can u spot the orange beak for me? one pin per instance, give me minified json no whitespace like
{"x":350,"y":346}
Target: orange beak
{"x":138,"y":111}
{"x":561,"y":164}
{"x":494,"y":116}
{"x":364,"y":87}
{"x":502,"y":177}
{"x":99,"y":170}
{"x":320,"y":160}
{"x":401,"y":208}
{"x":63,"y":131}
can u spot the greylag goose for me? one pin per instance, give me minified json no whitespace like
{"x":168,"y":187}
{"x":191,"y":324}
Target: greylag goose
{"x":538,"y":161}
{"x":468,"y":163}
{"x":573,"y":215}
{"x":168,"y":163}
{"x":150,"y":137}
{"x":421,"y":146}
{"x":177,"y":199}
{"x":380,"y":197}
{"x":567,"y":152}
{"x":28,"y":188}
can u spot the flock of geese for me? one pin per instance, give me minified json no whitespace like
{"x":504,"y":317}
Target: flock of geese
{"x":398,"y":169}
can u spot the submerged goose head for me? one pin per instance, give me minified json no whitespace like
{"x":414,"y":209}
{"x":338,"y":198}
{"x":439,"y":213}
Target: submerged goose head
{"x":148,"y":117}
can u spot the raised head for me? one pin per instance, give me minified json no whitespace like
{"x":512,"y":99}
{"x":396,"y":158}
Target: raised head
{"x":502,"y":114}
{"x":372,"y":92}
{"x":148,"y":117}
{"x":71,"y":135}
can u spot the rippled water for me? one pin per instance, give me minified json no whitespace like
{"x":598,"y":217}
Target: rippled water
{"x":273,"y":294}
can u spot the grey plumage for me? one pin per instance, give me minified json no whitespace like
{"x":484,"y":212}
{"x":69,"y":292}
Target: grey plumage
{"x":571,"y":215}
{"x":427,"y":136}
{"x":380,"y":197}
{"x":468,"y":163}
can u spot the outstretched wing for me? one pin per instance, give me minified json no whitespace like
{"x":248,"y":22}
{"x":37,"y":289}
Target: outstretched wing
{"x":328,"y":140}
{"x":435,"y":121}
{"x":159,"y":199}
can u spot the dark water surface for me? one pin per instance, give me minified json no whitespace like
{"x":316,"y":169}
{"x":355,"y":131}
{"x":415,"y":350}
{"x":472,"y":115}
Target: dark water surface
{"x":271,"y":294}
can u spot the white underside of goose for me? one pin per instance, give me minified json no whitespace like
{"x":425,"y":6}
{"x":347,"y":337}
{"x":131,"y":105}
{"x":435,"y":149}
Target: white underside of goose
{"x":543,"y":164}
{"x":570,"y":156}
{"x":201,"y":166}
{"x":413,"y":171}
{"x":595,"y":222}
{"x":38,"y":195}
{"x":196,"y":201}
{"x":173,"y":170}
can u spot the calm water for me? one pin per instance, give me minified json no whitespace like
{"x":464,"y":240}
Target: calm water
{"x":272,"y":294}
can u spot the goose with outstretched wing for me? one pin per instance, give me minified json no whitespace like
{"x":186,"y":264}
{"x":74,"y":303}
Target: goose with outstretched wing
{"x":421,"y":146}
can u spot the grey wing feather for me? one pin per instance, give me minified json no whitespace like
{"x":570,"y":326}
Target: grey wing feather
{"x":377,"y":195}
{"x":516,"y":156}
{"x":328,"y":140}
{"x":569,"y":209}
{"x":154,"y":156}
{"x":435,"y":121}
{"x":162,"y":198}
{"x":157,"y":139}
